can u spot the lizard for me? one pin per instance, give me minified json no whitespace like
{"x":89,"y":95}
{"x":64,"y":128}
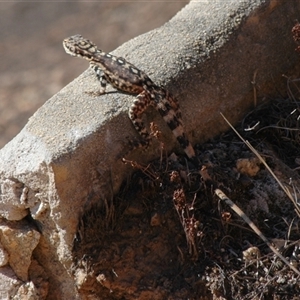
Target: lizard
{"x":127,"y":78}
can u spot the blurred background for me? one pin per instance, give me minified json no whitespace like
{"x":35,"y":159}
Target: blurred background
{"x":33,"y":63}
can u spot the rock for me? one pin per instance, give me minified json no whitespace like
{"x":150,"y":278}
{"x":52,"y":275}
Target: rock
{"x":3,"y":256}
{"x":9,"y":283}
{"x":248,"y":166}
{"x":65,"y":158}
{"x":19,"y":239}
{"x":27,"y":291}
{"x":155,"y":220}
{"x":13,"y":288}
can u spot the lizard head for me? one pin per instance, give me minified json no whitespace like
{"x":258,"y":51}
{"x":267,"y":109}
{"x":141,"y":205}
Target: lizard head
{"x":76,"y":45}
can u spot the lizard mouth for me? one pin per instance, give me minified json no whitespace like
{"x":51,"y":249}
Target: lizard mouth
{"x":69,"y":50}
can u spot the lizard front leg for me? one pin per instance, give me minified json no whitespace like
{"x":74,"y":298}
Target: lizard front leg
{"x":101,"y":77}
{"x":135,"y":114}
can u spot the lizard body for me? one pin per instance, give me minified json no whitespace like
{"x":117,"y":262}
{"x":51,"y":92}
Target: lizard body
{"x":125,"y":77}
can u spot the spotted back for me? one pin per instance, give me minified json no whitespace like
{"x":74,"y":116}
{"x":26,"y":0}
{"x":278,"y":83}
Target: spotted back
{"x":117,"y":71}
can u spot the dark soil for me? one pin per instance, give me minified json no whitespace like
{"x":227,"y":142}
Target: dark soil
{"x":166,"y":235}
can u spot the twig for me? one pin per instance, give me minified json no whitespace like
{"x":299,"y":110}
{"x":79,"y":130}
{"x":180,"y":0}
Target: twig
{"x":240,"y":213}
{"x":254,"y":88}
{"x":284,"y":188}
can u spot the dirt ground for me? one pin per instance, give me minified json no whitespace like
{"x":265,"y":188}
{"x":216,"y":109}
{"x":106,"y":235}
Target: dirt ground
{"x":166,"y":235}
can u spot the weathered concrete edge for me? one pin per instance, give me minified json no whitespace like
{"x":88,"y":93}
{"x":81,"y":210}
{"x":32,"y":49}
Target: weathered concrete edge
{"x":77,"y":137}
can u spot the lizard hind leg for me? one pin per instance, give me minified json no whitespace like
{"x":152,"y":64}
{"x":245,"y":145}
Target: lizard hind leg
{"x":135,"y":113}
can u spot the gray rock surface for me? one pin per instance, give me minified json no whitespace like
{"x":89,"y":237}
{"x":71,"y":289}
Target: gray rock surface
{"x":66,"y":156}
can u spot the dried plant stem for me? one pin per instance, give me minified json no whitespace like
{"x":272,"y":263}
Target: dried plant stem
{"x":238,"y":211}
{"x":284,"y":188}
{"x":254,"y":88}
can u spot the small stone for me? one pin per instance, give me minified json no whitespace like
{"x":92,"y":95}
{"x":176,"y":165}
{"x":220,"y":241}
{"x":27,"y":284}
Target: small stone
{"x":248,"y":166}
{"x":3,"y":256}
{"x":155,"y":220}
